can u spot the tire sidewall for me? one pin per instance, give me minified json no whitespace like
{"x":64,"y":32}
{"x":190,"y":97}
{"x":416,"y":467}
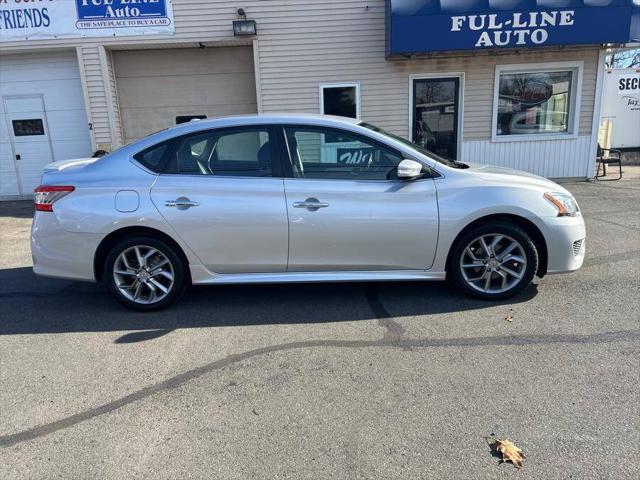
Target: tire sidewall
{"x":501,"y":228}
{"x":179,"y":283}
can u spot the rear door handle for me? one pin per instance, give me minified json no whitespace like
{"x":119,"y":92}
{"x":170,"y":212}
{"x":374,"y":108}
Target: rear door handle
{"x":311,"y":203}
{"x":181,"y":203}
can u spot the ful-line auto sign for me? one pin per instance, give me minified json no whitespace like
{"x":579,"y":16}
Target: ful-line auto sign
{"x":517,"y":28}
{"x":44,"y":19}
{"x":418,"y":26}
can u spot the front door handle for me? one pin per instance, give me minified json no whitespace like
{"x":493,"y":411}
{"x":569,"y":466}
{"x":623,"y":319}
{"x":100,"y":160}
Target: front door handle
{"x":311,"y":204}
{"x":181,"y":203}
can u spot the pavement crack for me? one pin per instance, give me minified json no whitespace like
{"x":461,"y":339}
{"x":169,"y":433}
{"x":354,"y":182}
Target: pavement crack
{"x":394,"y":331}
{"x":611,"y":222}
{"x":182,"y":378}
{"x":614,"y":257}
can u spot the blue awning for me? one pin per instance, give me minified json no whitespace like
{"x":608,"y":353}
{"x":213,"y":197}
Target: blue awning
{"x":416,"y":26}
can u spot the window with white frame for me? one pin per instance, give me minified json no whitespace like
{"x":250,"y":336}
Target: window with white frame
{"x":538,"y":100}
{"x":341,"y":99}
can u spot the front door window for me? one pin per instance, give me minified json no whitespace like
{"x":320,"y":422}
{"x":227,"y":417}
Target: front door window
{"x":435,"y":115}
{"x":339,"y":155}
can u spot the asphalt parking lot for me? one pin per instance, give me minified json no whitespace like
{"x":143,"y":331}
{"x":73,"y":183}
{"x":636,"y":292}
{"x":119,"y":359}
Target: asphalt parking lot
{"x":377,"y":380}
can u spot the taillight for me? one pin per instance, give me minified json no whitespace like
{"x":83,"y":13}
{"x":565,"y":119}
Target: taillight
{"x":46,"y":195}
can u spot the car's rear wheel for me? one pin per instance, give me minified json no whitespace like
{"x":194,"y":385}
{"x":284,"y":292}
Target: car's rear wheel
{"x":493,"y":261}
{"x":144,"y":273}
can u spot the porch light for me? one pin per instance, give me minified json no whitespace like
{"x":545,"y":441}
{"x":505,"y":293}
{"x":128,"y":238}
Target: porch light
{"x":242,"y":28}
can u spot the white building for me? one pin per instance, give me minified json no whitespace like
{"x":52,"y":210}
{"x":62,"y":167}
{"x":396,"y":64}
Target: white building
{"x":513,"y":87}
{"x":620,"y":115}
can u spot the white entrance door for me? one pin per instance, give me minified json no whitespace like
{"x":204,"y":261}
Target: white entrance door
{"x":26,"y":123}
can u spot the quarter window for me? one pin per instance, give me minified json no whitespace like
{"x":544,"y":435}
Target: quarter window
{"x":245,"y":152}
{"x":335,"y":154}
{"x":535,"y":102}
{"x":153,"y":157}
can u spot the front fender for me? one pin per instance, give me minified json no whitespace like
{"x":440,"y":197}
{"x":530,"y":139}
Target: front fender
{"x":460,"y":207}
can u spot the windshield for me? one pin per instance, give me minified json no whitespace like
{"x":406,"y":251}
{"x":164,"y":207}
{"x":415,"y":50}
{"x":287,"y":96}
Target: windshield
{"x":418,"y":148}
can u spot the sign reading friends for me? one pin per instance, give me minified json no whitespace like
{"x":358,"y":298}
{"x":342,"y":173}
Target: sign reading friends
{"x":46,"y":19}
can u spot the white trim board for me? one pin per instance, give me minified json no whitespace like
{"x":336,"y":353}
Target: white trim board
{"x":256,"y":74}
{"x":597,"y":106}
{"x":85,"y":95}
{"x":106,"y":82}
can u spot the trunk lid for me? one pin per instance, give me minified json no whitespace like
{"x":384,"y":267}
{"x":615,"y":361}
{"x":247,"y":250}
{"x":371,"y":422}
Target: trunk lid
{"x":72,"y":163}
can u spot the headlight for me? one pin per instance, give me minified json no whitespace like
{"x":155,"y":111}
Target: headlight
{"x":564,"y":203}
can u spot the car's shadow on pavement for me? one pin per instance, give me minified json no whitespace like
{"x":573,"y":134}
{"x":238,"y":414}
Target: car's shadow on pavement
{"x":31,"y":305}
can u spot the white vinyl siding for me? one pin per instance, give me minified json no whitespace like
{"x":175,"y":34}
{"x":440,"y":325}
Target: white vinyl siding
{"x":112,"y":98}
{"x":322,"y":43}
{"x":96,"y":92}
{"x":549,"y":158}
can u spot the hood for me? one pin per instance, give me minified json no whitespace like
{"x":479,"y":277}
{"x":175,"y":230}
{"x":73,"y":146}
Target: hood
{"x":72,"y":163}
{"x":512,"y":176}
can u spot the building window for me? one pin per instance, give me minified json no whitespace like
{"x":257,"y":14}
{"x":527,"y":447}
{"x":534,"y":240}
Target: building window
{"x":536,"y":102}
{"x":341,"y":99}
{"x":27,"y":128}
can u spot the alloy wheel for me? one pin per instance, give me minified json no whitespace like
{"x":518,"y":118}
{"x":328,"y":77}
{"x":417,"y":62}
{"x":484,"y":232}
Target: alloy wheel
{"x":143,"y":274}
{"x":493,"y":263}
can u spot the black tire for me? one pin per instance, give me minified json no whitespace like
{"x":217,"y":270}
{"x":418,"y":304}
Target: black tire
{"x":178,"y":271}
{"x":455,"y":273}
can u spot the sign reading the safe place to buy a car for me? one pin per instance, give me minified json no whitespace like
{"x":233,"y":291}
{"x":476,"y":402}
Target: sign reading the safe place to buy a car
{"x":46,"y":19}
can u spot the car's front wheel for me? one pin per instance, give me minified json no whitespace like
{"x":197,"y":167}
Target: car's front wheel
{"x":144,"y":273}
{"x":493,"y":261}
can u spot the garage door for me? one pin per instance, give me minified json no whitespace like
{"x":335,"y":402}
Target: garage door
{"x":42,"y":117}
{"x":156,"y":86}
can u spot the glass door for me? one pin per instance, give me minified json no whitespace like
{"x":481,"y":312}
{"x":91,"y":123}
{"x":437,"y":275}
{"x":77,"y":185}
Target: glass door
{"x":435,"y":115}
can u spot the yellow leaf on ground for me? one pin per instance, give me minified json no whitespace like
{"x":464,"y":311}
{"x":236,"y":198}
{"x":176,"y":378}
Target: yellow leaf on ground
{"x":510,"y":453}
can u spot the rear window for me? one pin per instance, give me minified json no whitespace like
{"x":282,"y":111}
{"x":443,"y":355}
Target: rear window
{"x":153,"y":157}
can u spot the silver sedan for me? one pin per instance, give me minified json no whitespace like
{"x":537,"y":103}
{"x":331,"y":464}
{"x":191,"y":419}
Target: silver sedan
{"x":296,"y":198}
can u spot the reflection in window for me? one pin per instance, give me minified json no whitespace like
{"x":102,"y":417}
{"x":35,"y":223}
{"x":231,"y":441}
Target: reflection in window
{"x":534,"y":102}
{"x":340,"y":100}
{"x":333,"y":154}
{"x":435,"y":116}
{"x":244,"y":153}
{"x":152,"y":157}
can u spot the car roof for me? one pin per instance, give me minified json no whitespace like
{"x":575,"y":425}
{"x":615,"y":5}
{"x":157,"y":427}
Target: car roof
{"x":262,"y":119}
{"x":195,"y":126}
{"x":309,"y":119}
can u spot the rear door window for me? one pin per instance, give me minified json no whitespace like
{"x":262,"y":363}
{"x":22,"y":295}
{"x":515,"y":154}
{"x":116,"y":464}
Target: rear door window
{"x":245,"y":152}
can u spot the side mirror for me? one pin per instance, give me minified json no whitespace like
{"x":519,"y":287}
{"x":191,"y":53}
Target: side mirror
{"x":408,"y":169}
